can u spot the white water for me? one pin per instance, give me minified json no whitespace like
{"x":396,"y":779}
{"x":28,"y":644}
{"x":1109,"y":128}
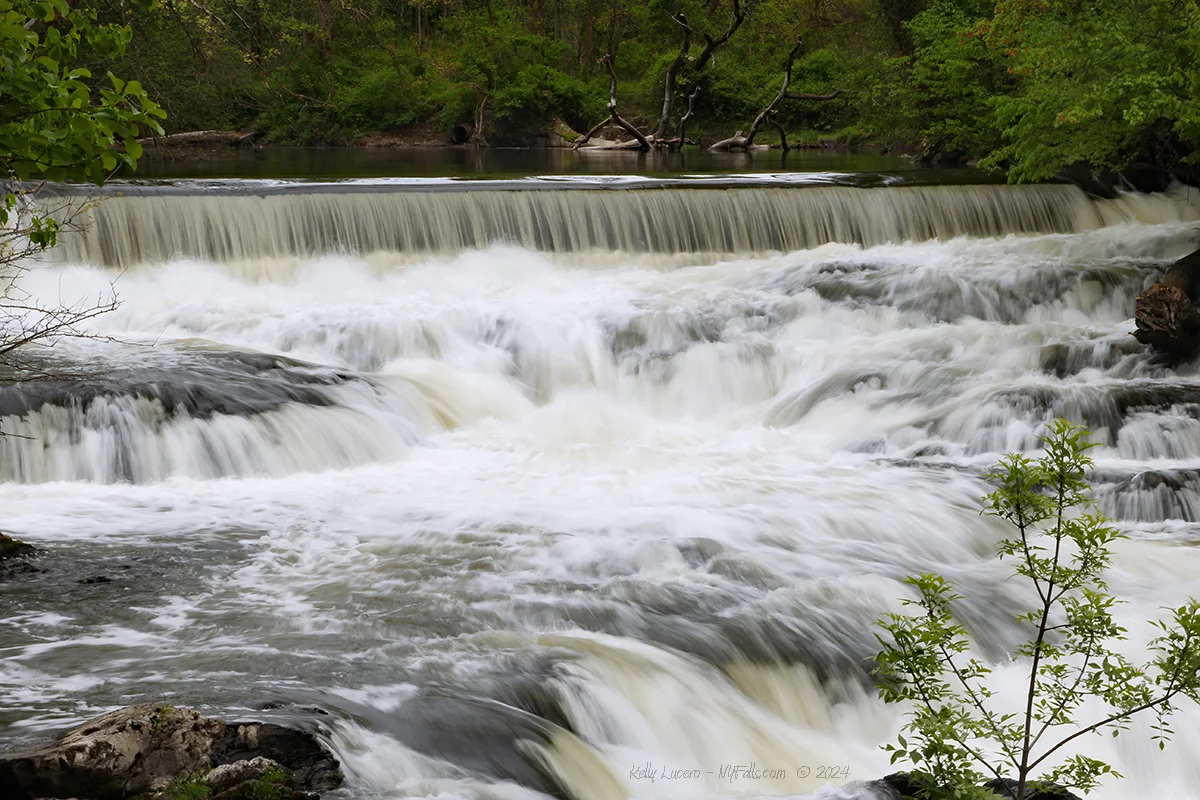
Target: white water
{"x":672,"y":499}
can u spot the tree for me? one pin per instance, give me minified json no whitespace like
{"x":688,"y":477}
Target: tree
{"x":955,"y":737}
{"x":1102,"y":84}
{"x":57,"y":123}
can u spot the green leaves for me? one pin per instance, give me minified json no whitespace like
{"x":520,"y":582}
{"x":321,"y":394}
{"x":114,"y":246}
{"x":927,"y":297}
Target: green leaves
{"x":1062,"y":548}
{"x":54,"y":124}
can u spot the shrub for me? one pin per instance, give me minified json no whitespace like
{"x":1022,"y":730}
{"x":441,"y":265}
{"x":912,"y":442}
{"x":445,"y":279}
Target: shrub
{"x":955,"y":737}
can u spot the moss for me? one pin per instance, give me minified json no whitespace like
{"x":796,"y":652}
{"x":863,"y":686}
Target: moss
{"x":162,"y":713}
{"x":10,"y":547}
{"x":190,"y":788}
{"x":275,"y":784}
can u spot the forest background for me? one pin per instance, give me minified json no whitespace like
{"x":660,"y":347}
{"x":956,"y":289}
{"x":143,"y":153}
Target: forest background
{"x":1025,"y":86}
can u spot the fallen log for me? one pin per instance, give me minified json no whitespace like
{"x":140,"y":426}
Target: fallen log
{"x":231,"y":138}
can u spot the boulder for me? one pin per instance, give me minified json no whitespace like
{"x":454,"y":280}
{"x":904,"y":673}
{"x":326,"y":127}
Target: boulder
{"x":143,"y":749}
{"x":1168,"y":320}
{"x":1167,"y":317}
{"x":257,"y":779}
{"x":12,"y":548}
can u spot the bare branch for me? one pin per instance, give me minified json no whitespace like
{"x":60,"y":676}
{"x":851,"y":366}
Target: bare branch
{"x":617,"y":119}
{"x":740,"y":142}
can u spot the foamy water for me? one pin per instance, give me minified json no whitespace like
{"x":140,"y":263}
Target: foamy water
{"x":571,"y":518}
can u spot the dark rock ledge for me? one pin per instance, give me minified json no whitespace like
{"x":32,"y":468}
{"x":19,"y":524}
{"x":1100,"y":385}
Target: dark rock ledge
{"x":901,"y":786}
{"x":161,"y":752}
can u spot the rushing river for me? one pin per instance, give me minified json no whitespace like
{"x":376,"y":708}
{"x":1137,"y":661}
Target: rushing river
{"x":558,"y":485}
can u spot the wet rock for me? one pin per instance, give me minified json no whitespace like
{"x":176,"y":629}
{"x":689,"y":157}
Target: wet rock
{"x":13,"y":548}
{"x":14,"y":556}
{"x":903,"y":786}
{"x":1167,"y":317}
{"x":1167,"y":320}
{"x":146,"y":748}
{"x":313,"y":768}
{"x":1007,"y":789}
{"x":255,"y":779}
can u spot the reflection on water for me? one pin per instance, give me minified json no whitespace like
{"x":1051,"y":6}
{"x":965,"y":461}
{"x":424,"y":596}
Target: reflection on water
{"x":434,"y":162}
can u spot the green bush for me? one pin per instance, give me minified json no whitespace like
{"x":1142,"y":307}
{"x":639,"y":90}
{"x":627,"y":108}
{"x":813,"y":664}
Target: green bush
{"x":956,"y":737}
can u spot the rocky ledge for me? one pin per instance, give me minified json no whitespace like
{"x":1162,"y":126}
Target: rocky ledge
{"x":1167,"y":316}
{"x":159,"y":752}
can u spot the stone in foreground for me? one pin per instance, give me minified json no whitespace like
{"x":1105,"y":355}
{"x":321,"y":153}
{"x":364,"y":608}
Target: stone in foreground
{"x":143,"y":749}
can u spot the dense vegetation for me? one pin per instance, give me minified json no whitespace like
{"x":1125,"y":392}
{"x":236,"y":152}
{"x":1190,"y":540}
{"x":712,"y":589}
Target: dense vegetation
{"x":1030,"y":86}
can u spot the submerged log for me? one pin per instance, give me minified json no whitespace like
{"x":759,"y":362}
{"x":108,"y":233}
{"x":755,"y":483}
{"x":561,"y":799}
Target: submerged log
{"x":1167,"y":317}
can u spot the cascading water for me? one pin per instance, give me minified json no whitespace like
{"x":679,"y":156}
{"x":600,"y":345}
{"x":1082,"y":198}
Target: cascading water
{"x":532,"y":504}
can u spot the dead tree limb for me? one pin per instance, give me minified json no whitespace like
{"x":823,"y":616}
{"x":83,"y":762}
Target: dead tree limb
{"x":477,"y":137}
{"x":697,"y":64}
{"x":783,"y":142}
{"x":642,"y":142}
{"x":583,"y":140}
{"x":740,"y":142}
{"x":683,"y":121}
{"x":711,"y":44}
{"x":669,"y":81}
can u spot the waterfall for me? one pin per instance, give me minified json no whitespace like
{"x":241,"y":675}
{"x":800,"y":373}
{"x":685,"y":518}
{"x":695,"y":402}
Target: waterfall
{"x":544,"y":491}
{"x":125,"y":231}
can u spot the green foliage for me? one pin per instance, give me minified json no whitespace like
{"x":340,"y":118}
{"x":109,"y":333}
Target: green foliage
{"x":951,"y":79}
{"x":538,"y":94}
{"x":273,"y":785}
{"x":57,"y":121}
{"x":1100,"y":84}
{"x":1028,"y":86}
{"x":189,"y":788}
{"x":955,"y":737}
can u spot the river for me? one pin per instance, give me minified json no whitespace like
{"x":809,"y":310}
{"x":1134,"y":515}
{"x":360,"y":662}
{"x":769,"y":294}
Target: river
{"x":587,"y":485}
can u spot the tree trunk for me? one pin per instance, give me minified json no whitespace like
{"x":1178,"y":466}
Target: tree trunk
{"x":740,"y":142}
{"x":664,"y":119}
{"x":684,"y":59}
{"x":325,"y":21}
{"x":640,"y":140}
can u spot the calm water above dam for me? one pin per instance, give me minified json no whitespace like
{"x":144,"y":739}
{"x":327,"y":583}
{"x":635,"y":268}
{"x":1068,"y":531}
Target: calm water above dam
{"x":533,"y":489}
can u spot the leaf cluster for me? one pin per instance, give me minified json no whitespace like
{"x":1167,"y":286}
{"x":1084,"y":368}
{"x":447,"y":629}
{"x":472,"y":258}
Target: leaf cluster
{"x":956,"y":737}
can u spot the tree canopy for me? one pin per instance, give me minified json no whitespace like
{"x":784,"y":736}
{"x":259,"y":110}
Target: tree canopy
{"x":1028,"y":87}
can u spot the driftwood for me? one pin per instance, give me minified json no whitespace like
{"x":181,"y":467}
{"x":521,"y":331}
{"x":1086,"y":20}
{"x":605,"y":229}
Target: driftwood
{"x":231,"y":138}
{"x":640,"y":141}
{"x":767,"y":115}
{"x":660,"y":138}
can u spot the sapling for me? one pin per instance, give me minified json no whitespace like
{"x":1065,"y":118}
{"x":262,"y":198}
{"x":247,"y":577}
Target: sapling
{"x":956,"y":738}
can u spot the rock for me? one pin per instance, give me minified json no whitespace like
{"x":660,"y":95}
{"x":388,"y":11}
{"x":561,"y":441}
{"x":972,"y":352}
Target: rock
{"x":1167,"y":320}
{"x":1167,"y":317}
{"x":311,"y":765}
{"x":1185,"y":274}
{"x":902,"y":786}
{"x":1007,"y":789}
{"x":145,"y":748}
{"x":13,"y":548}
{"x":257,"y":779}
{"x":228,"y":776}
